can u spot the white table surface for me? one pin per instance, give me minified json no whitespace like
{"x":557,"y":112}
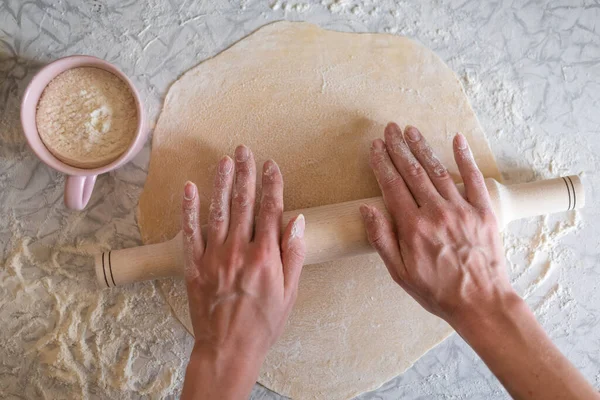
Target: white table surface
{"x":531,"y":70}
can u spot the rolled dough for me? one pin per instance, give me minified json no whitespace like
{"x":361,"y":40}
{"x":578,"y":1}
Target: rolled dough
{"x":314,"y":100}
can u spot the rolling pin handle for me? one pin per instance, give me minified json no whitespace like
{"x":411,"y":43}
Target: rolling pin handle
{"x":104,"y":272}
{"x":154,"y":261}
{"x":543,"y":197}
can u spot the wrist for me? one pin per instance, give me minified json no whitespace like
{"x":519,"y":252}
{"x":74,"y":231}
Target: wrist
{"x":227,"y":359}
{"x":223,"y":372}
{"x":496,"y":315}
{"x":517,"y":350}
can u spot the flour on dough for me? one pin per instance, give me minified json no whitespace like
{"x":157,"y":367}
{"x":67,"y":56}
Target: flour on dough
{"x":314,"y":100}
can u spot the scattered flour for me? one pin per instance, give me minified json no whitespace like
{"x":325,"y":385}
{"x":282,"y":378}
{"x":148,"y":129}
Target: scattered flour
{"x":533,"y":247}
{"x":90,"y":340}
{"x":290,"y":6}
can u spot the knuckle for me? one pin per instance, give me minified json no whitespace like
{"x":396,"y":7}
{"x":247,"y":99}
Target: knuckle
{"x":242,"y":200}
{"x":222,"y":180}
{"x":189,"y":227}
{"x":217,"y":212}
{"x":446,"y":216}
{"x":399,"y":147}
{"x":219,"y":184}
{"x":441,"y":172}
{"x":234,"y":258}
{"x":433,"y":164}
{"x":378,"y":240}
{"x":265,"y":248}
{"x":391,"y":181}
{"x":465,"y":154}
{"x":415,"y":169}
{"x":488,"y":217}
{"x":419,"y":228}
{"x":467,"y":215}
{"x":422,"y":150}
{"x":272,"y":178}
{"x":189,"y":218}
{"x":263,"y":257}
{"x":474,"y":175}
{"x":243,"y":170}
{"x":377,"y":157}
{"x":295,"y":253}
{"x":379,"y":160}
{"x":217,"y":217}
{"x":270,"y":181}
{"x":271,"y":204}
{"x":463,"y":212}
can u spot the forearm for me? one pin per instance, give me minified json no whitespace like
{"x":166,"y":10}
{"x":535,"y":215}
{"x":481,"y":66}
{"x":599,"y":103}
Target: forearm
{"x":220,"y":375}
{"x":517,"y":350}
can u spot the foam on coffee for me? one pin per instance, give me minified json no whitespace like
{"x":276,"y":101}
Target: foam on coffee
{"x":87,"y":117}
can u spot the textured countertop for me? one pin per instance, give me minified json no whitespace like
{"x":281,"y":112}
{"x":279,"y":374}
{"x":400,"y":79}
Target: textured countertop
{"x":531,"y":70}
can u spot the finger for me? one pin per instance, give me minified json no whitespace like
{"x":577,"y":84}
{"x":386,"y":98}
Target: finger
{"x":292,"y":254}
{"x":268,"y":222}
{"x":244,"y":193}
{"x":408,"y":166}
{"x":438,"y":174}
{"x":475,"y":190}
{"x":218,"y":214}
{"x":382,"y":237}
{"x":193,"y":245}
{"x":398,"y":199}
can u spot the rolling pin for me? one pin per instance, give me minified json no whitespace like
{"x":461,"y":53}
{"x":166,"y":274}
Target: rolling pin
{"x":336,"y":231}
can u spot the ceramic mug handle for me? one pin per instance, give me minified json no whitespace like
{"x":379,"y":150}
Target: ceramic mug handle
{"x":78,"y":190}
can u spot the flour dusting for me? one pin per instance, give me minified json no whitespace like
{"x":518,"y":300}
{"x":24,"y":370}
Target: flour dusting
{"x":90,"y":339}
{"x":534,"y":248}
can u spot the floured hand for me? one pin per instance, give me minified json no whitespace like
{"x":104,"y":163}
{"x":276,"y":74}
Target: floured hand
{"x":442,"y":248}
{"x":242,"y":285}
{"x":445,"y":251}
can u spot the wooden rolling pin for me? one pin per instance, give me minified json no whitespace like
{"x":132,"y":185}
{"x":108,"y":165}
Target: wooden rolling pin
{"x":336,"y":231}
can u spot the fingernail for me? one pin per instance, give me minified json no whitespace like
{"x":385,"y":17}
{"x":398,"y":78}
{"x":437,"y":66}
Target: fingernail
{"x":412,"y":133}
{"x":298,"y":227}
{"x":189,"y":191}
{"x":241,"y":153}
{"x":269,"y":167}
{"x":377,"y":144}
{"x":394,"y":128}
{"x":225,"y":165}
{"x":461,"y":141}
{"x":365,"y":211}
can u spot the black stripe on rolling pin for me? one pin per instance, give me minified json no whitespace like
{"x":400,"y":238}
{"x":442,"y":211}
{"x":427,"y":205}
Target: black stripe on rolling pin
{"x":110,"y":268}
{"x":574,"y":197}
{"x":104,"y":270}
{"x":568,"y":192}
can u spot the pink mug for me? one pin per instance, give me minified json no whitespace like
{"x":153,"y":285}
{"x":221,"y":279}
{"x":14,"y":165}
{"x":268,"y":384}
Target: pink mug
{"x":80,"y":181}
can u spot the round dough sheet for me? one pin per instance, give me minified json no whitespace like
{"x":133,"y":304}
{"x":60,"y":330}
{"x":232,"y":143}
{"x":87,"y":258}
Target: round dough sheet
{"x":313,"y":100}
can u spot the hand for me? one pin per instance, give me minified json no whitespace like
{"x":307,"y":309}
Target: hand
{"x":242,"y":285}
{"x":445,"y":251}
{"x":442,"y":248}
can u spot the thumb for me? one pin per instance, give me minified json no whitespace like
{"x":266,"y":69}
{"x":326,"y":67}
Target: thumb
{"x":381,"y":235}
{"x":193,"y":245}
{"x":292,"y":253}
